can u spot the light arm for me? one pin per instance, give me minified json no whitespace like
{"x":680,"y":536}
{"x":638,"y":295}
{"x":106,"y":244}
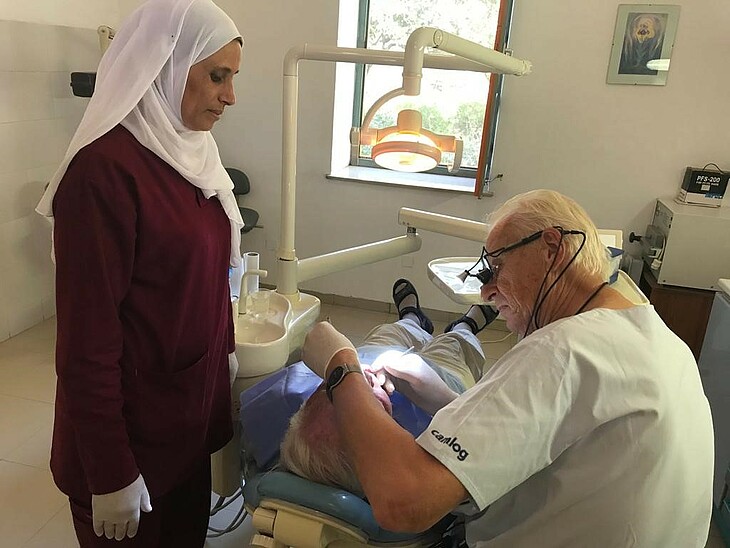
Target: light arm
{"x":431,"y":37}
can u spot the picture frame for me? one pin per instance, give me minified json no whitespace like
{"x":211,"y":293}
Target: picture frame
{"x":642,"y":44}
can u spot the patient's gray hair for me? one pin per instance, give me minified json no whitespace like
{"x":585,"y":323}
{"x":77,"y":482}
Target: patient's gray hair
{"x":311,"y":447}
{"x":539,"y":209}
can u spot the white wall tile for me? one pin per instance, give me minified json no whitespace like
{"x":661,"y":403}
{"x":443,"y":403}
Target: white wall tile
{"x":25,"y":317}
{"x":66,"y":128}
{"x":38,"y":116}
{"x":61,"y":85}
{"x":23,"y":291}
{"x":75,"y":13}
{"x":11,"y":148}
{"x":35,"y":185}
{"x":4,"y":325}
{"x":21,"y":191}
{"x":7,"y":94}
{"x":43,"y":265}
{"x":74,"y":49}
{"x":40,"y":175}
{"x":26,"y":49}
{"x":34,"y":348}
{"x":48,"y":303}
{"x":43,"y":142}
{"x":25,"y":96}
{"x":29,"y":47}
{"x":65,"y":103}
{"x":25,"y":278}
{"x":5,"y":45}
{"x":10,"y":185}
{"x":126,"y":7}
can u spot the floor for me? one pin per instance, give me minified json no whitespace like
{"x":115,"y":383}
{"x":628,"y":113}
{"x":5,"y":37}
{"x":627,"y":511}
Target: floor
{"x":33,"y":513}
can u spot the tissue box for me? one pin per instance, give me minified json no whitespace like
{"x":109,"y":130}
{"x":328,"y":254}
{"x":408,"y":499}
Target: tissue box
{"x":703,"y":187}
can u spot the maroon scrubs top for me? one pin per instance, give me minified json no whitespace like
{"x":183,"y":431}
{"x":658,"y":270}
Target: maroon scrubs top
{"x":144,"y":322}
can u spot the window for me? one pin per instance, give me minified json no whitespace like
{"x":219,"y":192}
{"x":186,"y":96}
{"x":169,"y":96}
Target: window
{"x":451,"y":102}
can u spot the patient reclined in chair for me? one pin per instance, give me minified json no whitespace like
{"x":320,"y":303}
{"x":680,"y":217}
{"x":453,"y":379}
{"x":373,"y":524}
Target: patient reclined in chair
{"x":312,"y":449}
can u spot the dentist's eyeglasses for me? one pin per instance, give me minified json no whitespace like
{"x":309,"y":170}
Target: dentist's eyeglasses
{"x":486,"y":272}
{"x":489,"y":272}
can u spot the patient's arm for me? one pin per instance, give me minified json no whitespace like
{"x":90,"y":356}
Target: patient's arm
{"x":415,"y":379}
{"x":408,"y":489}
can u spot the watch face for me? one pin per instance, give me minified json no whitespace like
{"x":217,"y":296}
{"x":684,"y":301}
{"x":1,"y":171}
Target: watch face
{"x":336,"y":375}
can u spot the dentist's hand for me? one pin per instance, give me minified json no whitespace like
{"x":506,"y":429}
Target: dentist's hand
{"x":413,"y":378}
{"x":116,"y":515}
{"x":321,"y":345}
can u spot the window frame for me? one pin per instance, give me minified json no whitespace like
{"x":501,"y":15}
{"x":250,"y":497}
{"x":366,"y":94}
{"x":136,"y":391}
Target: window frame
{"x":491,"y":116}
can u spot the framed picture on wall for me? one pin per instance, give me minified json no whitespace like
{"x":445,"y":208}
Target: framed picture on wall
{"x":642,"y":44}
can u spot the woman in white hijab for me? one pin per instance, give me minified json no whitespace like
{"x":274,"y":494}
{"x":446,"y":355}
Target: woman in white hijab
{"x":145,"y":229}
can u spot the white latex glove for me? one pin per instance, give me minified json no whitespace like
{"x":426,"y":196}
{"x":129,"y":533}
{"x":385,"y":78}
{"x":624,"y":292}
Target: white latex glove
{"x":232,"y":367}
{"x":116,"y":515}
{"x":414,"y":378}
{"x":320,"y":346}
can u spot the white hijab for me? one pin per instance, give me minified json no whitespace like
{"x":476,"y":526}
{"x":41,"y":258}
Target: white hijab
{"x":140,"y":84}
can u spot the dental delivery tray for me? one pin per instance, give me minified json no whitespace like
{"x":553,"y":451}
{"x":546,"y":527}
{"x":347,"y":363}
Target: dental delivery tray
{"x":444,"y":273}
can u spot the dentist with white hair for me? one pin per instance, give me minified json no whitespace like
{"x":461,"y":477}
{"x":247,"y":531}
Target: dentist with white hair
{"x":145,"y":229}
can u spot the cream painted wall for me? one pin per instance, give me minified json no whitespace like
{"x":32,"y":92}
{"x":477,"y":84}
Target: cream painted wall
{"x":126,"y":7}
{"x":613,"y":148}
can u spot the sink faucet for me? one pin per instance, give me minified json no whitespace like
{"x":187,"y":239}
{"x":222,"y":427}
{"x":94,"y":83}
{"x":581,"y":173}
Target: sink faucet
{"x":252,"y":272}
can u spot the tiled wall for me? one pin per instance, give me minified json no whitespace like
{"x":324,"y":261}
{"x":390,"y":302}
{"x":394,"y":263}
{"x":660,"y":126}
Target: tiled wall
{"x":38,"y":115}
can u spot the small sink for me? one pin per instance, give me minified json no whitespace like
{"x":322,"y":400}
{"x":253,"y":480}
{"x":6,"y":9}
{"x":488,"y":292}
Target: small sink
{"x":262,"y":345}
{"x":271,"y":341}
{"x":254,"y":332}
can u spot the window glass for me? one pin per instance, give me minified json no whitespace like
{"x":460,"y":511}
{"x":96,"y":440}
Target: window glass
{"x":451,"y":102}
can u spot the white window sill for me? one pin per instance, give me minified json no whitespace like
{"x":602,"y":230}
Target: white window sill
{"x":418,"y":180}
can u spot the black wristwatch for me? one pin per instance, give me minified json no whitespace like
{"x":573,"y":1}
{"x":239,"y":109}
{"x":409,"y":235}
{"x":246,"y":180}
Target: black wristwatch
{"x":337,"y":375}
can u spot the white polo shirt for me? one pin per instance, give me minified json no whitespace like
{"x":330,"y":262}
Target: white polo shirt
{"x":592,"y":431}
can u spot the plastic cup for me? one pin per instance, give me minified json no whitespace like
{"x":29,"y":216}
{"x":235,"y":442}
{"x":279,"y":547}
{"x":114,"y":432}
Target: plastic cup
{"x":260,"y":303}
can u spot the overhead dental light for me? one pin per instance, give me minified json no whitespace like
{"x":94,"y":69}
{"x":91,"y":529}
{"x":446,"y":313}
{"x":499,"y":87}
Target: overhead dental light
{"x":407,"y":146}
{"x":466,"y":55}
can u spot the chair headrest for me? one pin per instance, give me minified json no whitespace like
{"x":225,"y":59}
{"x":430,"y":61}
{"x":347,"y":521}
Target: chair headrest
{"x":241,"y":184}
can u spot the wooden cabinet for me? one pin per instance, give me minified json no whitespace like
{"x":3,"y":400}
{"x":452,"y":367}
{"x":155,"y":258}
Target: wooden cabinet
{"x":684,"y":310}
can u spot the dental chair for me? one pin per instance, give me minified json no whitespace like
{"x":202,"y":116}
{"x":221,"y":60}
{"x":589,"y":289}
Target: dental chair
{"x":288,"y":510}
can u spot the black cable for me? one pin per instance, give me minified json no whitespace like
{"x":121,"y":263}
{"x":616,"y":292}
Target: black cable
{"x":535,"y":306}
{"x":563,"y":271}
{"x":716,"y":167}
{"x":538,"y":305}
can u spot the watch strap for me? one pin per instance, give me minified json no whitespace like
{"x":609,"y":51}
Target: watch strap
{"x":337,"y":375}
